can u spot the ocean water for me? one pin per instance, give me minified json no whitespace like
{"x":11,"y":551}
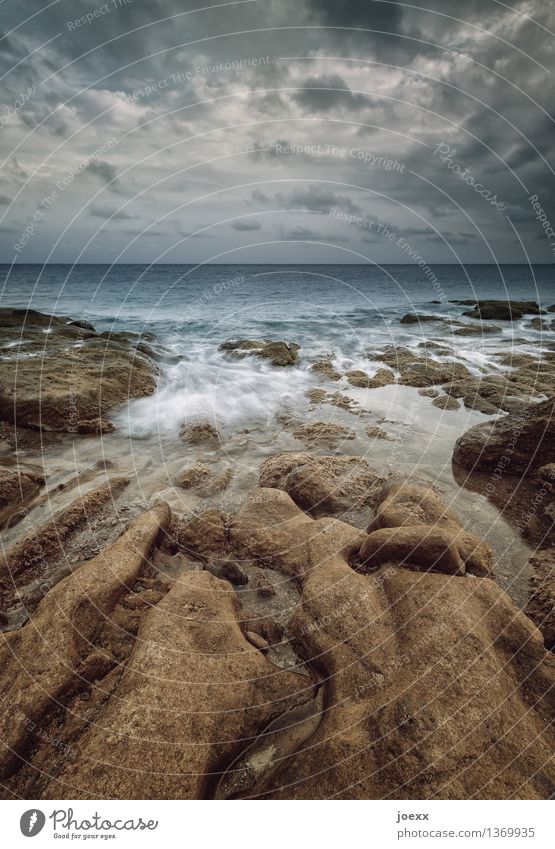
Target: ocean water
{"x":343,"y":310}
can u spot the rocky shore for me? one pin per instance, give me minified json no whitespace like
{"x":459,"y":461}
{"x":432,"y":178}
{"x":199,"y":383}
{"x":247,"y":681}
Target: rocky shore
{"x":334,"y":631}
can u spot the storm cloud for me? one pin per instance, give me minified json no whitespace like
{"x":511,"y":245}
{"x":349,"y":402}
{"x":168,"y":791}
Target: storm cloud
{"x":437,"y":121}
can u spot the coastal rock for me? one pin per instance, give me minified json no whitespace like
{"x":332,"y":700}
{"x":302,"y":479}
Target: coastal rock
{"x":279,"y":353}
{"x":407,"y":658}
{"x":18,"y":485}
{"x":431,"y":372}
{"x":521,"y":443}
{"x":407,"y":505}
{"x":326,"y":368}
{"x":204,"y":534}
{"x":148,"y":739}
{"x":427,"y":548}
{"x":323,"y":433}
{"x":477,"y":330}
{"x":500,"y":310}
{"x":375,"y":432}
{"x":446,"y":402}
{"x":227,"y":570}
{"x":198,"y":434}
{"x":540,"y":607}
{"x":358,"y":379}
{"x":382,"y":377}
{"x":42,"y":556}
{"x":322,"y":485}
{"x":204,"y":480}
{"x":417,"y":318}
{"x":74,"y":377}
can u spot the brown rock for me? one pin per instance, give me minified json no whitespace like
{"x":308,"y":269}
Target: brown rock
{"x":323,"y":433}
{"x":322,"y":485}
{"x":198,"y":434}
{"x":203,"y":534}
{"x":409,"y":505}
{"x":520,"y":442}
{"x":279,"y":353}
{"x":446,"y":402}
{"x":326,"y":368}
{"x":436,"y":686}
{"x":257,"y":641}
{"x":541,"y":604}
{"x":75,"y":377}
{"x":375,"y":432}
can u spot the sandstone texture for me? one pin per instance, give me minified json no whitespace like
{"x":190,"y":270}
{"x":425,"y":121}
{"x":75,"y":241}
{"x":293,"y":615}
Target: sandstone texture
{"x":67,"y":377}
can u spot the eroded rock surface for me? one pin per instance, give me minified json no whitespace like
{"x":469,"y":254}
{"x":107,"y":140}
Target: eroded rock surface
{"x":64,"y":377}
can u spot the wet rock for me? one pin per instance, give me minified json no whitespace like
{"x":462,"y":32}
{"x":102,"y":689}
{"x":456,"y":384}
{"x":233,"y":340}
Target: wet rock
{"x":279,"y":353}
{"x":427,"y":548}
{"x":417,"y":318}
{"x":316,"y":396}
{"x":38,"y":553}
{"x":375,"y":432}
{"x":326,"y":368}
{"x":203,"y":480}
{"x":358,"y":378}
{"x":86,"y":325}
{"x":477,"y":330}
{"x":521,"y":442}
{"x":382,"y":377}
{"x":322,"y":485}
{"x":228,"y":570}
{"x":197,"y":434}
{"x":71,"y":378}
{"x":323,"y":433}
{"x":446,"y":402}
{"x":501,"y":310}
{"x":428,"y":392}
{"x":430,"y":372}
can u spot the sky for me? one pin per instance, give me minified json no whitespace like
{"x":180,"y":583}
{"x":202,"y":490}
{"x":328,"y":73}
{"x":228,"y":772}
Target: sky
{"x":279,"y":131}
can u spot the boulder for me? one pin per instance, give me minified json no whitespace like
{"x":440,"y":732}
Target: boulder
{"x":428,"y":372}
{"x":500,"y":310}
{"x":411,"y":506}
{"x":446,"y":402}
{"x":518,"y":444}
{"x":417,"y":318}
{"x":279,"y":353}
{"x":322,"y":485}
{"x":198,"y":434}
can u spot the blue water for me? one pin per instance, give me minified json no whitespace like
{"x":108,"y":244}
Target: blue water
{"x":341,"y":309}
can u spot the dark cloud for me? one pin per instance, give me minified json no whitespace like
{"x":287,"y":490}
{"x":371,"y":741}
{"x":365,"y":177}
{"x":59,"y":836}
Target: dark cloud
{"x":329,"y":92}
{"x":298,"y":233}
{"x":312,"y":198}
{"x":114,"y":214}
{"x":103,"y":170}
{"x":246,"y":225}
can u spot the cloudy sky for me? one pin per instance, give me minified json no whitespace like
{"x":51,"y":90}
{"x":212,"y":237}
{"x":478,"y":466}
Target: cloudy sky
{"x":276,"y":131}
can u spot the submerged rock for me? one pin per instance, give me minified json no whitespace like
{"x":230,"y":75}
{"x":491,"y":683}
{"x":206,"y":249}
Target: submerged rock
{"x":279,"y":353}
{"x":323,"y":433}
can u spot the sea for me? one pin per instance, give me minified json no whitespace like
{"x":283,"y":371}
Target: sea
{"x":339,"y":310}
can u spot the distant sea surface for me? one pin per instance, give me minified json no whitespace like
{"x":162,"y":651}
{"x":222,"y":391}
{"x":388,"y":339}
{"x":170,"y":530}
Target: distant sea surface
{"x":344,"y":310}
